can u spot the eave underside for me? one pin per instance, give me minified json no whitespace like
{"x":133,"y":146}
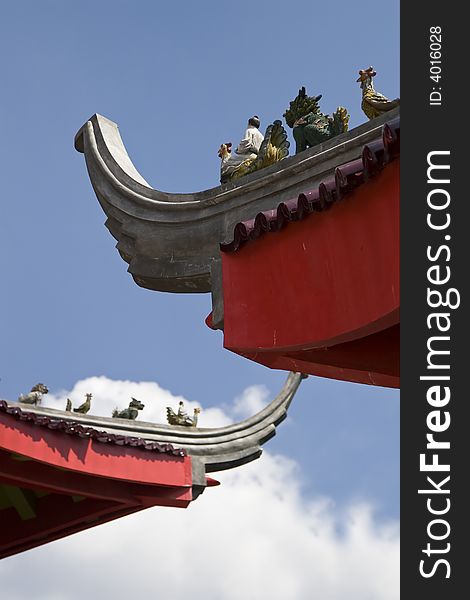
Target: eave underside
{"x":40,"y":503}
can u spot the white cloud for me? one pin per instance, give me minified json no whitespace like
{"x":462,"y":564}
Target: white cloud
{"x":254,"y":537}
{"x":253,"y":399}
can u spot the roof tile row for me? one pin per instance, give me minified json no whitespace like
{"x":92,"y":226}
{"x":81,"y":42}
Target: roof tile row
{"x":75,"y":428}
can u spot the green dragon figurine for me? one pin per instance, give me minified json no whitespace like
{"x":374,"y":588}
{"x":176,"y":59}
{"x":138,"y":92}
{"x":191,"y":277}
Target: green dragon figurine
{"x":309,"y":125}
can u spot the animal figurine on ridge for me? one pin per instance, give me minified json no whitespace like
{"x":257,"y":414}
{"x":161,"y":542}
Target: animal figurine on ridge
{"x":130,"y":412}
{"x":373,"y":104}
{"x":309,"y":125}
{"x":182,"y":417}
{"x":254,"y":151}
{"x":35,"y":395}
{"x":85,"y":407}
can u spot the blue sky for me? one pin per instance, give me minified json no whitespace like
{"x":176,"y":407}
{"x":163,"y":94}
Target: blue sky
{"x":179,"y":78}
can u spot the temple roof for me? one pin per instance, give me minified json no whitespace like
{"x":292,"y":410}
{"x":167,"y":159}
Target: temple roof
{"x":62,"y":472}
{"x":347,"y":177}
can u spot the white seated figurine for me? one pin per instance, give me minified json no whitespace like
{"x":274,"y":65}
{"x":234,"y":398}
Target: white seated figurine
{"x":247,"y":150}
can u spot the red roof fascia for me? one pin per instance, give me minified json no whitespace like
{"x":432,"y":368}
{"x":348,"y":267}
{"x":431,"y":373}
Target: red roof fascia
{"x":329,"y":282}
{"x":40,"y":476}
{"x":326,"y":281}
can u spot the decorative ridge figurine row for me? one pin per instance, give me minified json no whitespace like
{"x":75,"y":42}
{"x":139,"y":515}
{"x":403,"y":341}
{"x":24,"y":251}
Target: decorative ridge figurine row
{"x":309,"y":128}
{"x":34,"y":397}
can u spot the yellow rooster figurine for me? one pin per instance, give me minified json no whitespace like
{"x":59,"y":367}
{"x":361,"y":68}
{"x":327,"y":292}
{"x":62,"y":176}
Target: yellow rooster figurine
{"x":373,"y":103}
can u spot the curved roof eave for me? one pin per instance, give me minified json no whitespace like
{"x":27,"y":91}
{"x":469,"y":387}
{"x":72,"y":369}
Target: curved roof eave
{"x":171,"y":241}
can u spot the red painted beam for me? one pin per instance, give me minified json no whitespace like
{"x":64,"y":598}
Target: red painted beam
{"x":287,"y":363}
{"x":373,"y":360}
{"x":39,"y":476}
